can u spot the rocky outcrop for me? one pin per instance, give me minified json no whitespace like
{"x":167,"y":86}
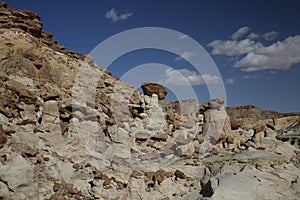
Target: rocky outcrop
{"x":154,"y":88}
{"x":251,"y":111}
{"x":291,"y":134}
{"x":249,"y":116}
{"x":253,"y":183}
{"x":25,"y":21}
{"x":217,"y":122}
{"x":57,"y":142}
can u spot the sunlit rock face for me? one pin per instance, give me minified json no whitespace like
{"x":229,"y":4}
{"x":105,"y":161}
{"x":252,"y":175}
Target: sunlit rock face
{"x":154,"y":88}
{"x":59,"y":142}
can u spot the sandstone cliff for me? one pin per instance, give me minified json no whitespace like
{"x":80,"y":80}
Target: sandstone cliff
{"x":121,"y":144}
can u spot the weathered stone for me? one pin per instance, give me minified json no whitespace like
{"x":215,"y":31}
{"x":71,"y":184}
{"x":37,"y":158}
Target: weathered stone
{"x":259,"y":139}
{"x":259,"y":128}
{"x":270,"y":134}
{"x":179,"y":174}
{"x":24,"y":94}
{"x":246,"y":184}
{"x":28,"y":113}
{"x":154,"y":88}
{"x":217,"y":123}
{"x":188,"y":107}
{"x":49,"y":95}
{"x":19,"y":176}
{"x":285,"y":122}
{"x":156,"y":119}
{"x":234,"y":140}
{"x":201,"y":119}
{"x":185,"y":150}
{"x":142,"y":136}
{"x":214,"y":104}
{"x":247,"y":135}
{"x":51,"y":108}
{"x":159,"y":137}
{"x":236,"y":123}
{"x":187,"y":122}
{"x":160,"y":176}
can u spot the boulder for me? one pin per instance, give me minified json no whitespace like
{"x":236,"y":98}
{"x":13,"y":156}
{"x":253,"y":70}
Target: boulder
{"x":154,"y":88}
{"x":142,"y":136}
{"x":285,"y":122}
{"x":217,"y":122}
{"x":214,"y":103}
{"x":259,"y":139}
{"x":159,"y":137}
{"x":188,"y":107}
{"x":179,"y":174}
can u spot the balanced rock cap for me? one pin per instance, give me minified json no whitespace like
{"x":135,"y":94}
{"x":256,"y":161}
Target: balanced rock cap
{"x":150,"y":88}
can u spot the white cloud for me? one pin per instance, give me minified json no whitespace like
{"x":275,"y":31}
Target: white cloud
{"x":270,"y":36}
{"x":246,"y":77}
{"x":240,"y":32}
{"x":229,"y":81}
{"x":185,"y":77}
{"x":186,"y":55}
{"x":280,"y":55}
{"x":249,"y":77}
{"x":269,"y":78}
{"x":233,"y":47}
{"x":183,"y":36}
{"x":254,"y":56}
{"x":253,"y":36}
{"x":115,"y":16}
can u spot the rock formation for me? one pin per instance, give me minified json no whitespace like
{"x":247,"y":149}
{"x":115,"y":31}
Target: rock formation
{"x":56,"y":142}
{"x":154,"y":88}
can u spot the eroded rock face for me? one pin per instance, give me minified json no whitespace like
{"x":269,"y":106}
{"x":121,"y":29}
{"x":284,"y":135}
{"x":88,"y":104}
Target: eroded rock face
{"x":57,"y":142}
{"x":217,"y":122}
{"x":26,"y":20}
{"x":154,"y":88}
{"x":19,"y":21}
{"x":291,"y":134}
{"x":248,"y":185}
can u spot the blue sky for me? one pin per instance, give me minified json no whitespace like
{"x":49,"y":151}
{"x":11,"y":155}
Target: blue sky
{"x":254,"y":44}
